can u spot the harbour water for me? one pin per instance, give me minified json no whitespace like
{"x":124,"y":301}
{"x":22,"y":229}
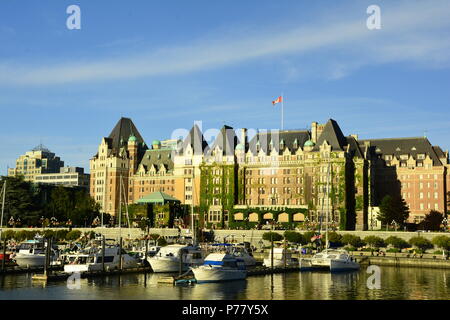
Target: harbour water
{"x":395,"y":283}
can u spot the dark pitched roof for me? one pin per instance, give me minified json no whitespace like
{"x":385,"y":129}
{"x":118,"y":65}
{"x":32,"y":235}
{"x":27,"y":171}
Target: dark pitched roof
{"x":158,"y":157}
{"x":121,"y":132}
{"x":402,"y":146}
{"x":333,"y":135}
{"x":226,"y":140}
{"x":196,"y":140}
{"x":288,"y":137}
{"x":354,"y":148}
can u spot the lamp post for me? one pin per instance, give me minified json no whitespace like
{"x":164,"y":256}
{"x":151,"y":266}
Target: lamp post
{"x":11,"y":222}
{"x":394,"y":224}
{"x":445,"y":223}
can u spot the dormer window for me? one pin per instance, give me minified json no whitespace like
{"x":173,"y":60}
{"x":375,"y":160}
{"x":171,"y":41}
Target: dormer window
{"x":421,"y":156}
{"x":398,"y":149}
{"x":404,"y":157}
{"x":270,"y":145}
{"x":282,"y":144}
{"x":258,"y":146}
{"x":295,"y":145}
{"x":388,"y":157}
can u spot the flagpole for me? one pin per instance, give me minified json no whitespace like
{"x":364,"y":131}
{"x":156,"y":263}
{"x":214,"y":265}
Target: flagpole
{"x":282,"y":111}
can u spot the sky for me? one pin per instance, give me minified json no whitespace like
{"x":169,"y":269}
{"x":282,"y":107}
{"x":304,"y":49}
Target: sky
{"x":166,"y":64}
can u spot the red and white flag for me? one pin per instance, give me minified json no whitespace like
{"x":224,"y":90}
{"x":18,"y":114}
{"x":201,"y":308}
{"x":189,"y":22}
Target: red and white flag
{"x":277,"y":100}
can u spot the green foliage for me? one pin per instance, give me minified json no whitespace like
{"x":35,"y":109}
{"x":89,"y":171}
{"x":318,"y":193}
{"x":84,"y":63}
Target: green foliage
{"x":334,"y":237}
{"x":421,"y":243}
{"x":308,"y":235}
{"x":73,"y":235}
{"x":374,"y":241}
{"x":354,"y":241}
{"x":394,"y":250}
{"x":396,"y":242}
{"x":49,"y":234}
{"x":269,"y":236}
{"x":162,"y":242}
{"x":8,"y":234}
{"x":393,"y":209}
{"x":295,"y":237}
{"x":432,"y":221}
{"x":350,"y":248}
{"x":61,"y":234}
{"x":442,"y":242}
{"x":23,"y":235}
{"x":153,"y":236}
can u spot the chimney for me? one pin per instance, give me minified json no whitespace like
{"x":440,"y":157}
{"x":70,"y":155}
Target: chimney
{"x":243,"y":137}
{"x":314,"y":132}
{"x":355,"y":136}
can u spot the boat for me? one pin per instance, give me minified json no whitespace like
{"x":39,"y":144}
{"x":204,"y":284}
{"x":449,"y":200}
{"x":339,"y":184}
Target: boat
{"x":168,"y":258}
{"x":90,"y":259}
{"x":334,"y":260}
{"x":236,"y":250}
{"x":31,"y":253}
{"x":220,"y":267}
{"x":280,"y":257}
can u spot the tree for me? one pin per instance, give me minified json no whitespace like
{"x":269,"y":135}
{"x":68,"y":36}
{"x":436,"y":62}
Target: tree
{"x":294,"y":237}
{"x":352,"y":240}
{"x":421,"y":243}
{"x":73,"y":235}
{"x":393,"y":209}
{"x":21,"y":200}
{"x":396,"y":242}
{"x":442,"y":242}
{"x":374,"y":241}
{"x":269,"y":236}
{"x":432,"y":221}
{"x":334,"y":237}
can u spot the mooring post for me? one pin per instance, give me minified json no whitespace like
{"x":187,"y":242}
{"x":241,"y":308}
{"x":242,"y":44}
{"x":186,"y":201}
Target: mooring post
{"x":46,"y":256}
{"x":181,"y":261}
{"x":103,"y":253}
{"x":146,"y":251}
{"x":271,"y":248}
{"x":120,"y":254}
{"x":285,"y":253}
{"x":4,"y":255}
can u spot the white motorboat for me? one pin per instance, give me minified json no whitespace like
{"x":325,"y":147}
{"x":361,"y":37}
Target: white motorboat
{"x":220,"y":267}
{"x":280,"y":257}
{"x":90,"y":259}
{"x":168,"y":258}
{"x":334,"y":260}
{"x":236,"y":250}
{"x":31,"y":253}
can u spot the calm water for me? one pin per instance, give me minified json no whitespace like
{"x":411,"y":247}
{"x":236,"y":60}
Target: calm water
{"x":396,"y":283}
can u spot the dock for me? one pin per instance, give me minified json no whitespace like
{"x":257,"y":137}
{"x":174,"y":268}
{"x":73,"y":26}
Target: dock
{"x":60,"y":276}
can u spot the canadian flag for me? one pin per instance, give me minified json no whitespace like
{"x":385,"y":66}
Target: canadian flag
{"x":277,"y":100}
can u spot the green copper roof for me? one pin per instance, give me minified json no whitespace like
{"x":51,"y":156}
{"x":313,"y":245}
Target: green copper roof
{"x":132,"y":138}
{"x":309,"y":143}
{"x":158,"y":197}
{"x":240,"y":146}
{"x":156,"y":142}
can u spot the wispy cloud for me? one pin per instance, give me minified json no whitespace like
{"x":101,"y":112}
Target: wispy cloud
{"x":348,"y":36}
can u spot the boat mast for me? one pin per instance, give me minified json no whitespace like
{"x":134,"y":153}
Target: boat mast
{"x":3,"y":208}
{"x":120,"y":206}
{"x":126,"y":210}
{"x":328,"y":203}
{"x":192,"y":207}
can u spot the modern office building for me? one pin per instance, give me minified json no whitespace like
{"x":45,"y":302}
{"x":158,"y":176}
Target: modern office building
{"x":38,"y":161}
{"x":67,"y":177}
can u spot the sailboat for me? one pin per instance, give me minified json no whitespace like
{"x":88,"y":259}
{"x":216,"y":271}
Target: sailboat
{"x":331,"y":259}
{"x":173,"y":257}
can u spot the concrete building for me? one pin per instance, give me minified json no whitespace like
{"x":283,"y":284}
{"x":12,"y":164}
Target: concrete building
{"x":67,"y":177}
{"x":38,"y":161}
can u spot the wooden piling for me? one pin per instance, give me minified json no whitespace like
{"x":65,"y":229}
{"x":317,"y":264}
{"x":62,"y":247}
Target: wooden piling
{"x":103,"y":253}
{"x":120,"y":254}
{"x":4,"y":255}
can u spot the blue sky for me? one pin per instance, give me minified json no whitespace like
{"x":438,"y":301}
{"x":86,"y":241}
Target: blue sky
{"x":166,"y":64}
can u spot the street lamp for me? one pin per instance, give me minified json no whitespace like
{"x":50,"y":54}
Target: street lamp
{"x":445,"y":223}
{"x":11,"y":222}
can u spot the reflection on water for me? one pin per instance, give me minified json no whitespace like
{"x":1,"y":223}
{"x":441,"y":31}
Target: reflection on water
{"x":396,"y":283}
